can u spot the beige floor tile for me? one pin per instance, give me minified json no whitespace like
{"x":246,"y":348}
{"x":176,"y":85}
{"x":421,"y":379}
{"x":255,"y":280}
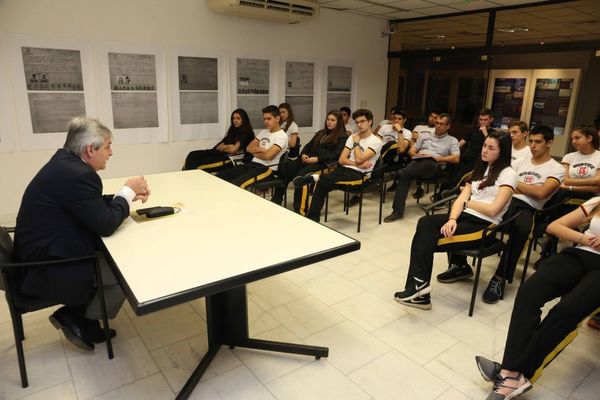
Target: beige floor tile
{"x":390,"y":260}
{"x":331,"y":288}
{"x":382,"y":284}
{"x":168,"y":326}
{"x":488,"y":339}
{"x":564,"y":375}
{"x":442,"y":308}
{"x":151,"y":388}
{"x":38,"y":332}
{"x":274,"y":292}
{"x":46,"y":367}
{"x":306,"y":316}
{"x":369,"y":311}
{"x":539,"y":392}
{"x":259,"y":320}
{"x":62,"y":391}
{"x":94,"y":374}
{"x":199,"y":305}
{"x":317,"y":380}
{"x":303,"y":274}
{"x":178,"y":361}
{"x":269,"y":365}
{"x":579,"y":349}
{"x":589,"y":388}
{"x":350,"y":347}
{"x":351,"y":270}
{"x":237,"y":384}
{"x":415,"y":338}
{"x":457,"y":367}
{"x":395,"y":377}
{"x":452,"y":394}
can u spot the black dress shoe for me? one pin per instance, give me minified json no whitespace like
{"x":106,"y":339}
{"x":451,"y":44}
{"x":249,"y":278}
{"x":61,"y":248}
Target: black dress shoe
{"x":95,"y":333}
{"x":72,"y":328}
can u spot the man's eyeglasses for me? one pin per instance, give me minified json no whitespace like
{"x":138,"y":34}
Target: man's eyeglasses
{"x":441,"y":123}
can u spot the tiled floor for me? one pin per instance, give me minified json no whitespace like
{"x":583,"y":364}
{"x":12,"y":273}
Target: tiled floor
{"x":378,"y":349}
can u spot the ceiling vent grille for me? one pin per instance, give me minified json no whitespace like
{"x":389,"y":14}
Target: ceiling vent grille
{"x":291,"y":12}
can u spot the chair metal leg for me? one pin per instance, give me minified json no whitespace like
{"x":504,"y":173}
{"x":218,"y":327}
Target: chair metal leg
{"x":20,"y":354}
{"x":326,"y":205}
{"x":346,"y":201}
{"x":360,"y":210}
{"x":109,"y":347}
{"x":475,"y":283}
{"x":527,"y":256}
{"x":19,"y":319}
{"x":381,"y":199}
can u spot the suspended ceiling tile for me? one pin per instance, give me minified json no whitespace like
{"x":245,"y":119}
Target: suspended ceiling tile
{"x":438,"y":10}
{"x":406,"y":15}
{"x":346,"y":4}
{"x":515,"y":2}
{"x":473,"y":5}
{"x":378,"y":10}
{"x":411,"y":5}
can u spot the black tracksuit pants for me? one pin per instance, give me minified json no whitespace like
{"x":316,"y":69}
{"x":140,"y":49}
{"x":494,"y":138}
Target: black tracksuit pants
{"x":247,"y":174}
{"x":326,"y":183}
{"x":428,"y":240}
{"x":425,"y":169}
{"x":531,"y":344}
{"x":209,"y":160}
{"x":293,"y":169}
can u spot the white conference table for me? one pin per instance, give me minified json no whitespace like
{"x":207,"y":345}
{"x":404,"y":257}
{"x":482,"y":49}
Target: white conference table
{"x":224,"y":238}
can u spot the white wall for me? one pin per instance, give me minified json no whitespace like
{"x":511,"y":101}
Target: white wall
{"x":184,"y":24}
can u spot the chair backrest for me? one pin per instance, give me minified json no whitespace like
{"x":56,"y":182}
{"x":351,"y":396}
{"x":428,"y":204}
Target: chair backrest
{"x":377,"y":171}
{"x":295,"y":151}
{"x":6,"y":251}
{"x":282,"y":166}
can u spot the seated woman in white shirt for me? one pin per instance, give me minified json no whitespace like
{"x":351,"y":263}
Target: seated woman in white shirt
{"x":582,"y":178}
{"x":574,"y":277}
{"x":289,"y":126}
{"x":482,"y":202}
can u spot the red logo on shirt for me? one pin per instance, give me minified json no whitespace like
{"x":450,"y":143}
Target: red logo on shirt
{"x":529,"y":179}
{"x":582,"y":171}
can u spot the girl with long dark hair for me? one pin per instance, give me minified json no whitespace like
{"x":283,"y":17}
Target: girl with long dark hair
{"x":325,"y":147}
{"x":290,"y":127}
{"x":483,"y":201}
{"x":238,"y":136}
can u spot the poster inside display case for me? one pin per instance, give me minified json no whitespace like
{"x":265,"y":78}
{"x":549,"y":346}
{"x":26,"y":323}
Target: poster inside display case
{"x":507,"y":101}
{"x":551,"y":101}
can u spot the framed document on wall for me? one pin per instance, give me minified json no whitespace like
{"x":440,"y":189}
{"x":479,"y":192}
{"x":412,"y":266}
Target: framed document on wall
{"x":198,"y":87}
{"x":53,"y":83}
{"x":507,"y":93}
{"x":132,"y":86}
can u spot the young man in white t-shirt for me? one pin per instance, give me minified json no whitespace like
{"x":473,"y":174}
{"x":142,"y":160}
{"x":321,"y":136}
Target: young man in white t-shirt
{"x":518,"y":133}
{"x":348,"y":121}
{"x":538,"y":179}
{"x":395,"y":137}
{"x":267,"y":148}
{"x":358,"y":157}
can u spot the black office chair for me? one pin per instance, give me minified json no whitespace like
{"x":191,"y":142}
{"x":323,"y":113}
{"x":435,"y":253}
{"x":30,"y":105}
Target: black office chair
{"x":541,"y":219}
{"x":279,"y":180}
{"x":11,"y":276}
{"x":366,"y":183}
{"x":493,"y":245}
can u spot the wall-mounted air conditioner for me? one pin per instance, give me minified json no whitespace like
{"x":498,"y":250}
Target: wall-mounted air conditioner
{"x":291,"y":12}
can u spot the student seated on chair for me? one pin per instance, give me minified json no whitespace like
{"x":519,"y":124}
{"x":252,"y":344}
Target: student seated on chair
{"x":470,"y":149}
{"x":582,"y":174}
{"x":358,"y":158}
{"x":429,"y":157}
{"x":62,"y":215}
{"x":290,"y":127}
{"x":349,"y":124}
{"x":324,"y":148}
{"x":573,"y":277}
{"x":238,"y":136}
{"x":418,"y":130}
{"x":482,"y":202}
{"x":520,"y":148}
{"x":387,"y":121}
{"x":395,"y":137}
{"x":538,"y":179}
{"x":266,"y":148}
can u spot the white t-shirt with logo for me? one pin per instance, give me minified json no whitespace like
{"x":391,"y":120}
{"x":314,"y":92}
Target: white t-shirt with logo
{"x":268,"y":139}
{"x":370,"y":142}
{"x":420,"y":129}
{"x":508,"y":178}
{"x":525,"y":152}
{"x":582,"y":165}
{"x":537,"y":175}
{"x":594,"y":228}
{"x":389,"y":134}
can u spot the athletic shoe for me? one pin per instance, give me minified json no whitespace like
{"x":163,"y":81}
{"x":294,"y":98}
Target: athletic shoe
{"x":594,"y":322}
{"x":300,"y":181}
{"x":394,"y":216}
{"x":415,"y":289}
{"x":488,"y":369}
{"x":493,"y":293}
{"x":418,"y":193}
{"x":421,"y":302}
{"x":455,"y":273}
{"x":509,"y":383}
{"x":354,"y":200}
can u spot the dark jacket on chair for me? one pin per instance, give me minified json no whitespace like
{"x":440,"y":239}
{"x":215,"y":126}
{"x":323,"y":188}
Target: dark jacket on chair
{"x":62,"y":215}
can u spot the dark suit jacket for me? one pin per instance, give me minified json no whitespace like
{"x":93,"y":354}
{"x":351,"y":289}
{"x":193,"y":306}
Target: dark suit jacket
{"x":62,"y":215}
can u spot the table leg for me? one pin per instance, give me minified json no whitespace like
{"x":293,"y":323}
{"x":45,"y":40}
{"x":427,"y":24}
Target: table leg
{"x":227,"y":323}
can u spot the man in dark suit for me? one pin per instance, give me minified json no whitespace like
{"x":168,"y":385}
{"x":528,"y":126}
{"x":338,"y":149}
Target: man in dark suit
{"x":62,"y":215}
